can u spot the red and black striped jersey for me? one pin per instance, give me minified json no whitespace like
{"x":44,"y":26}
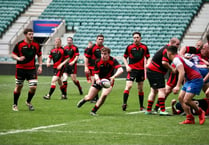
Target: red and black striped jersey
{"x":136,"y":55}
{"x":159,"y":56}
{"x":30,"y":51}
{"x":93,"y":54}
{"x":58,"y":56}
{"x":105,"y":69}
{"x":192,"y":50}
{"x":72,"y":51}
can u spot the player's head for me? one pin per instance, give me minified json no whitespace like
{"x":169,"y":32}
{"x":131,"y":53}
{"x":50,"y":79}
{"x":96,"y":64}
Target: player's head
{"x":100,"y":40}
{"x":70,"y":41}
{"x":57,"y":42}
{"x":199,"y":44}
{"x":174,"y":42}
{"x":137,"y":37}
{"x":171,"y":52}
{"x":204,"y":51}
{"x":105,"y":53}
{"x":28,"y":32}
{"x":90,"y":44}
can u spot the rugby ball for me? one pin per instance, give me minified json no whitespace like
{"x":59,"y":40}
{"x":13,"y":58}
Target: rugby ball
{"x":105,"y":83}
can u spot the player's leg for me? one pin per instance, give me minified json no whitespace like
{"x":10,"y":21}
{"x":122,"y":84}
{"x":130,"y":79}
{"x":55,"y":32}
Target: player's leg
{"x":20,"y":77}
{"x":141,"y":95}
{"x":64,"y":80}
{"x":93,"y":91}
{"x":52,"y":88}
{"x":62,"y":88}
{"x":101,"y":100}
{"x":151,"y":98}
{"x":77,"y":83}
{"x":128,"y":87}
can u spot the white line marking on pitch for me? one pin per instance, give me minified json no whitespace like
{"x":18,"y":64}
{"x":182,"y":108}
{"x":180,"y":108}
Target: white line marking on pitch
{"x":102,"y":132}
{"x":32,"y":129}
{"x":138,"y":112}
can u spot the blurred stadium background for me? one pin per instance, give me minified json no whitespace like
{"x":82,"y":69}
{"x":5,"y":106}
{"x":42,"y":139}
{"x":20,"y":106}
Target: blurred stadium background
{"x":157,"y":20}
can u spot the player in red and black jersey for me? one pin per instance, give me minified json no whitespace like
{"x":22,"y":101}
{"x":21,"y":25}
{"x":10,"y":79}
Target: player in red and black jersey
{"x":104,"y":68}
{"x":173,"y":77}
{"x":25,"y":52}
{"x":191,"y":49}
{"x":88,"y":75}
{"x":135,"y":53}
{"x":91,"y":55}
{"x":155,"y":73}
{"x":71,"y":67}
{"x":59,"y":57}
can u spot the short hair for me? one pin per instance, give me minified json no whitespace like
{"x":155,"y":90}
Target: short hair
{"x":136,"y":33}
{"x":70,"y":37}
{"x":106,"y":49}
{"x":26,"y":30}
{"x":100,"y":35}
{"x":207,"y":36}
{"x":172,"y":49}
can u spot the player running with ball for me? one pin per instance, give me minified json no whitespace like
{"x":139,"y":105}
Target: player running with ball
{"x":104,"y":68}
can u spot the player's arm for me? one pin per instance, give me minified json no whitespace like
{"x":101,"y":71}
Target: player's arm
{"x":118,"y":72}
{"x":63,"y":63}
{"x":96,"y":77}
{"x":14,"y":56}
{"x":181,"y":73}
{"x":74,"y":61}
{"x":40,"y":64}
{"x":148,"y":60}
{"x":128,"y":69}
{"x":48,"y":61}
{"x":182,"y":51}
{"x":168,"y":66}
{"x":86,"y":62}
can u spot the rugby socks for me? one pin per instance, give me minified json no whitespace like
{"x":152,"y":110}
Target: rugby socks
{"x":16,"y":97}
{"x":141,"y":98}
{"x":125,"y":96}
{"x":95,"y":109}
{"x":65,"y":84}
{"x":77,"y":83}
{"x":162,"y":104}
{"x":157,"y":106}
{"x":52,"y":89}
{"x":149,"y":106}
{"x":30,"y":96}
{"x":63,"y":89}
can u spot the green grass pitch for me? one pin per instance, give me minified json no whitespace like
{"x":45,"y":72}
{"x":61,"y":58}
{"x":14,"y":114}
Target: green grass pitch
{"x":57,"y":122}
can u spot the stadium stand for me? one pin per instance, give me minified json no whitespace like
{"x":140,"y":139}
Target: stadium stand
{"x":9,"y":11}
{"x":157,"y":20}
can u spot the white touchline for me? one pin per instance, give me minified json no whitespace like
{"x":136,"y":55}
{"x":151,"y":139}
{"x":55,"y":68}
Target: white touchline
{"x":138,"y":112}
{"x":32,"y":129}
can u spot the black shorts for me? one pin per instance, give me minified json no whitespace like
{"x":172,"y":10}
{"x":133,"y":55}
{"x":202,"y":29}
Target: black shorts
{"x":156,"y":79}
{"x":172,"y":80}
{"x":135,"y":74}
{"x":71,"y":69}
{"x":97,"y":86}
{"x":58,"y":73}
{"x":28,"y":74}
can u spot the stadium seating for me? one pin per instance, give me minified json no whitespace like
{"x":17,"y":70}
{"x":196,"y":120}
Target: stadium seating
{"x":157,"y":20}
{"x":9,"y":11}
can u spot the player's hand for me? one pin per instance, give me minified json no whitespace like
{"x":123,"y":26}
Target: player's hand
{"x":112,"y":79}
{"x":48,"y":64}
{"x":176,"y":90}
{"x":39,"y":71}
{"x":59,"y":67}
{"x":21,"y":58}
{"x":128,"y":69}
{"x":86,"y":70}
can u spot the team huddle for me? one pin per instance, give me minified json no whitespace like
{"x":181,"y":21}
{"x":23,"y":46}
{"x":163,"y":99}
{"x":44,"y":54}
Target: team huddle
{"x":187,"y":71}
